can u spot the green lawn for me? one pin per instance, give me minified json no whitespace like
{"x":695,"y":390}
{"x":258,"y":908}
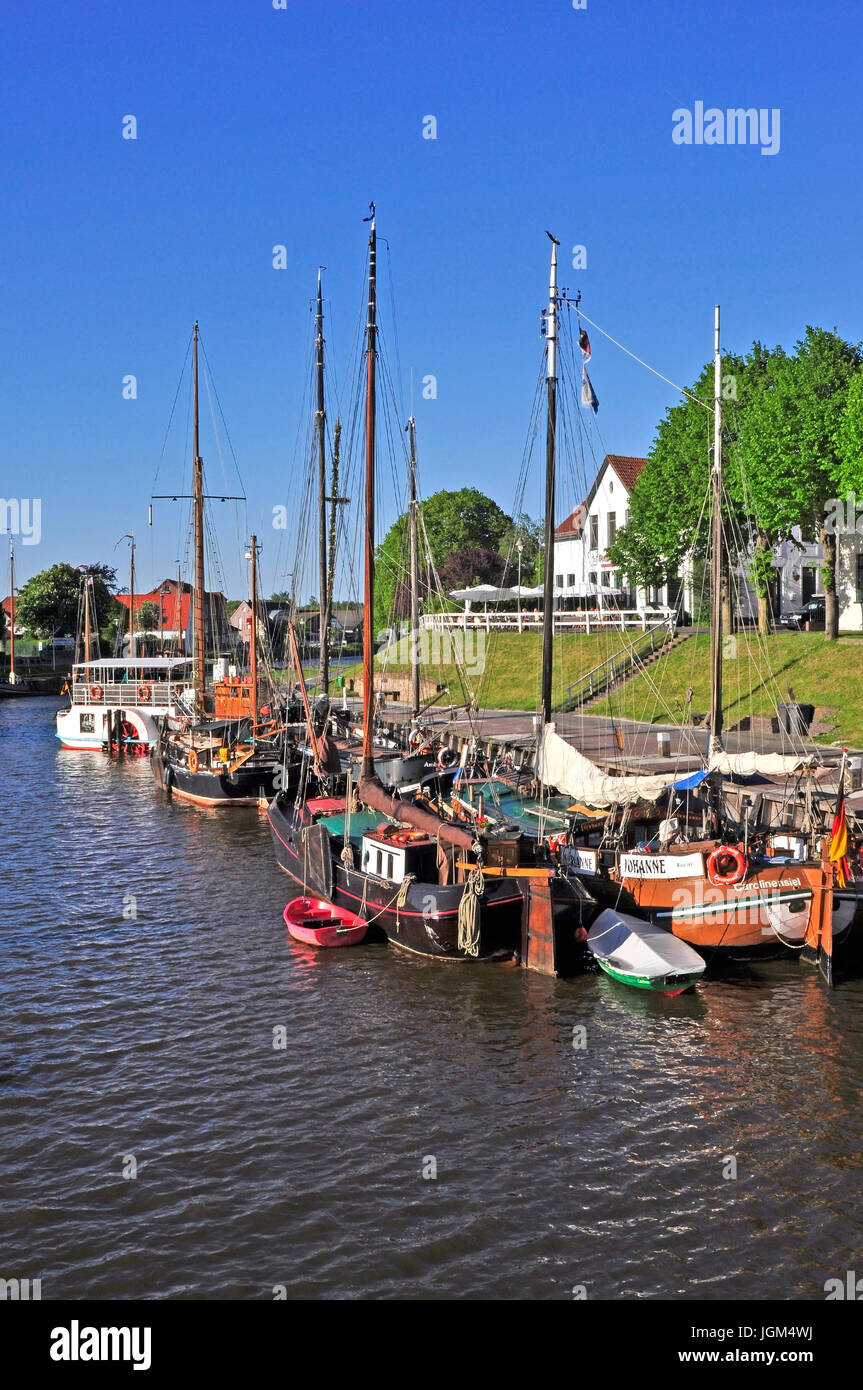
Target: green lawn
{"x":502,"y":669}
{"x":828,"y":675}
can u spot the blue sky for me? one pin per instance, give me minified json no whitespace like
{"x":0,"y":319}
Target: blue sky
{"x":259,"y":126}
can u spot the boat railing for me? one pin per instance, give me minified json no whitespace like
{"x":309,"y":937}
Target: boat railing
{"x":160,"y":694}
{"x":600,"y":677}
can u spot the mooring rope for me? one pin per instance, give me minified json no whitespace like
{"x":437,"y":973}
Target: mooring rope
{"x":468,"y":912}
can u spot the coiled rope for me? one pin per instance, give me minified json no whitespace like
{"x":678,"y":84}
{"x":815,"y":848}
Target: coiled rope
{"x":468,"y":912}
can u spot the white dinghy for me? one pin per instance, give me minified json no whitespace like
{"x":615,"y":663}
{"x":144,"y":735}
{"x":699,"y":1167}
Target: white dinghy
{"x":640,"y":954}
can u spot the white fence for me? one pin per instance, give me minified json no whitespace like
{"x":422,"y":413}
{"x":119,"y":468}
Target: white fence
{"x":585,"y":620}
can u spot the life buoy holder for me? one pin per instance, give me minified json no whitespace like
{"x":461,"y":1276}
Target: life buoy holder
{"x":96,"y":694}
{"x":193,"y":760}
{"x":445,"y":759}
{"x":145,"y":694}
{"x":726,"y":865}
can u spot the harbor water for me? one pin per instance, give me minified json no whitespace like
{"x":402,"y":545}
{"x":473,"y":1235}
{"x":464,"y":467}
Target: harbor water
{"x":193,"y":1106}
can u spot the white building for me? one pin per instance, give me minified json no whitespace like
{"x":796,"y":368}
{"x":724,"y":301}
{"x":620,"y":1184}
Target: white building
{"x":585,"y":578}
{"x":583,"y":575}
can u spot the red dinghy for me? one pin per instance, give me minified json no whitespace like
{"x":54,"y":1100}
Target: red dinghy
{"x":318,"y":923}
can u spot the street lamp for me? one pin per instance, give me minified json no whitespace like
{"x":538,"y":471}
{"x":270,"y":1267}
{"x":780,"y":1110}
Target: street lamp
{"x":519,"y":545}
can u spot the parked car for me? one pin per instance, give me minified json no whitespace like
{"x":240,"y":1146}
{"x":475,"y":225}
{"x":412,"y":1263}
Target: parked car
{"x":811,"y":613}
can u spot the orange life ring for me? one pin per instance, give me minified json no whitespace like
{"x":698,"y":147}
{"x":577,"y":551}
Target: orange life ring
{"x":96,"y":694}
{"x":145,"y":694}
{"x":725,"y":855}
{"x":193,"y":760}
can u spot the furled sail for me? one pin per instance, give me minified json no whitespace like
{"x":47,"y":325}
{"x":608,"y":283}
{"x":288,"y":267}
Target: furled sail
{"x":562,"y":766}
{"x":371,"y":793}
{"x":767,"y":764}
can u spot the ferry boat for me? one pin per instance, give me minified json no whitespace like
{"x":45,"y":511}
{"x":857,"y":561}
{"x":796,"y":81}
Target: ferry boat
{"x":117,"y":698}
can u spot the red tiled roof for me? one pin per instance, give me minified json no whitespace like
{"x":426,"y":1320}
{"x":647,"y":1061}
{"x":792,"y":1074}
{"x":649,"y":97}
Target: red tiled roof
{"x":571,"y":526}
{"x":9,"y":605}
{"x":168,"y":603}
{"x":626,"y":468}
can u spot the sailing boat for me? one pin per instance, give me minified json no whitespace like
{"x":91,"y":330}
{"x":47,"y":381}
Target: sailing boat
{"x":728,"y":891}
{"x":435,"y":886}
{"x":234,"y":760}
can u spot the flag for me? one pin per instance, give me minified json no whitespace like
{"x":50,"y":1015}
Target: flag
{"x":584,"y":342}
{"x":588,"y":395}
{"x":839,"y":841}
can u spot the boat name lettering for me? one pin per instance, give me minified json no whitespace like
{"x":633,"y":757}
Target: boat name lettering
{"x":661,"y":866}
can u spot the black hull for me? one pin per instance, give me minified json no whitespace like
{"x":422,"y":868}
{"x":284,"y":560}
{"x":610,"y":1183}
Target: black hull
{"x":427,"y":923}
{"x":245,"y":787}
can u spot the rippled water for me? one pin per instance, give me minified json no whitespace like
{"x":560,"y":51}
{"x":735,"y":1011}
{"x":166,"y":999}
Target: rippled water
{"x":151,"y":1036}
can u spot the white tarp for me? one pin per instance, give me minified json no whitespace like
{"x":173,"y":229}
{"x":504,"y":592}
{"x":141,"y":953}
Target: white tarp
{"x":562,"y":766}
{"x":748,"y":764}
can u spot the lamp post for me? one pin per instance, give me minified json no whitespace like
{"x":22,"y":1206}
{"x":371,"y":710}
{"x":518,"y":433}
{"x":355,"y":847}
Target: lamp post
{"x":519,"y":545}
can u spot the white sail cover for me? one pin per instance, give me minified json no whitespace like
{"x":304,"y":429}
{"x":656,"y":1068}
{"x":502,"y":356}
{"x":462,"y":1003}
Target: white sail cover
{"x":748,"y":764}
{"x":562,"y":766}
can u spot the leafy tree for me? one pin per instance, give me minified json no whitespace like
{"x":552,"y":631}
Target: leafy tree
{"x":463,"y":568}
{"x":48,"y":603}
{"x":849,"y":474}
{"x":147,"y":617}
{"x":452,"y":521}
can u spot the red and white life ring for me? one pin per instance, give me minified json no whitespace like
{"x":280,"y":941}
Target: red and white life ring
{"x":445,"y":759}
{"x":726,"y":865}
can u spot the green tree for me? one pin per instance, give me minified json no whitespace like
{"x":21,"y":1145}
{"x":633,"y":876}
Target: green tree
{"x":452,"y":521}
{"x":49,"y":602}
{"x":849,"y":474}
{"x":147,"y":617}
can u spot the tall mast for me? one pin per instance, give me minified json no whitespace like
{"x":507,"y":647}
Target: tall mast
{"x":12,"y":614}
{"x":132,"y":599}
{"x":415,"y":578}
{"x":198,"y":494}
{"x":550,"y":453}
{"x":321,"y":429}
{"x":253,"y":636}
{"x":716,"y":556}
{"x":86,"y":617}
{"x":369,"y":605}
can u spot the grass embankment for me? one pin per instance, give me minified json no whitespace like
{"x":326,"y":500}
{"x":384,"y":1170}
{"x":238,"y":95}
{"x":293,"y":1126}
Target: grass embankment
{"x":756,"y":674}
{"x":502,"y":669}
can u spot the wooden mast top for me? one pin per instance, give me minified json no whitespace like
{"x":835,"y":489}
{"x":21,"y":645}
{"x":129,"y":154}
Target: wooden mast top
{"x":320,"y":429}
{"x":198,"y":495}
{"x":253,"y":635}
{"x":369,"y":604}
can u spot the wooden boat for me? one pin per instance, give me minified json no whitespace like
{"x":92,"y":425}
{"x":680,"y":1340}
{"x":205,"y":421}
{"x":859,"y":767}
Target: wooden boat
{"x":318,"y":923}
{"x":643,"y":955}
{"x":239,"y":760}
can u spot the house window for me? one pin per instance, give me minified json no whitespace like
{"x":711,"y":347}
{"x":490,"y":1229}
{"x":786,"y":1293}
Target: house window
{"x":606,"y":579}
{"x":592,"y":578}
{"x":594,"y":533}
{"x":570,"y":581}
{"x":612,"y":527}
{"x":860,"y":576}
{"x":558,"y":579}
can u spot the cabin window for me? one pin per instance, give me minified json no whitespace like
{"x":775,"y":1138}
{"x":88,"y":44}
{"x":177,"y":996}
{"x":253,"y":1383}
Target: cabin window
{"x":389,"y":866}
{"x":594,"y":533}
{"x":88,"y":723}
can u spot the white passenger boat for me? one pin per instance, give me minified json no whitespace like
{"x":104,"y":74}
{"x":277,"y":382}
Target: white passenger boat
{"x":117,"y":698}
